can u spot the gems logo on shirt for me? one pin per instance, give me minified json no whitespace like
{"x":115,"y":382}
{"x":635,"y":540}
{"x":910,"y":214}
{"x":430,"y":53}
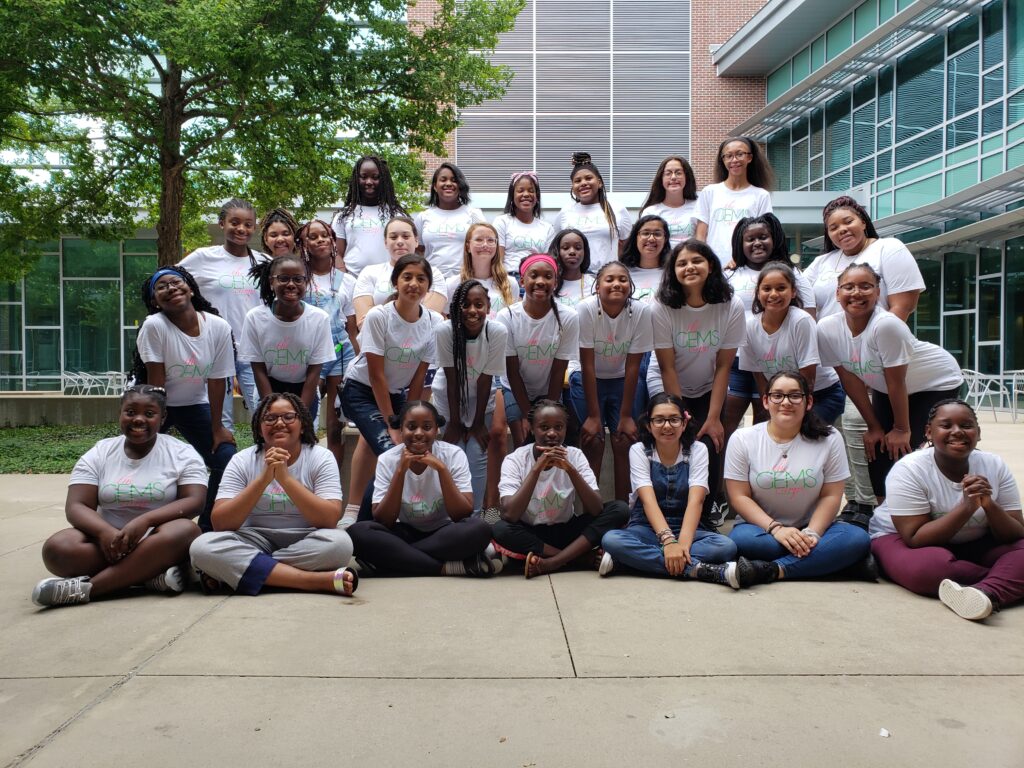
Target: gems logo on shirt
{"x":126,"y":494}
{"x":696,"y":340}
{"x":536,"y":353}
{"x":548,"y":503}
{"x":189,"y":370}
{"x":772,"y":362}
{"x":783,"y":481}
{"x":282,"y":356}
{"x":273,"y":499}
{"x":418,"y":508}
{"x":863,"y":368}
{"x":611,"y":349}
{"x":449,"y":230}
{"x":238,"y":281}
{"x":729,"y":214}
{"x":403,"y":352}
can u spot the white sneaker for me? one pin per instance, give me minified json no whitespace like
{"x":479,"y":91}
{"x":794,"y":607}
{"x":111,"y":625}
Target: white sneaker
{"x":55,"y":591}
{"x":607,"y":565}
{"x":967,"y":602}
{"x":171,"y":580}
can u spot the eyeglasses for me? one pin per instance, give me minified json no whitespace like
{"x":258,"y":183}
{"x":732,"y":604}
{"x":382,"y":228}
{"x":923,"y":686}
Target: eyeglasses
{"x":851,"y":287}
{"x":735,"y":156}
{"x":272,"y":418}
{"x":294,"y":279}
{"x":656,"y":234}
{"x":674,"y":174}
{"x":169,"y":285}
{"x":661,"y":421}
{"x":794,"y":397}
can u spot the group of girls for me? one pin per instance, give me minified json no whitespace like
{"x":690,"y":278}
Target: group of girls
{"x":550,"y":334}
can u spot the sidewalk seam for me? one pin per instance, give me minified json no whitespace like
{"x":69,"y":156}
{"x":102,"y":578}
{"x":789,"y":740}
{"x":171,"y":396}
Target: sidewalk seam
{"x":561,"y":621}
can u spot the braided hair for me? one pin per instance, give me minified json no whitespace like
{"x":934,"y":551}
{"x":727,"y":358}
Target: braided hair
{"x":156,"y":394}
{"x":934,"y":410}
{"x":780,"y":246}
{"x":308,"y":436}
{"x":237,"y":203}
{"x":459,"y":335}
{"x":278,"y":216}
{"x":847,"y":202}
{"x":264,"y":271}
{"x":581,"y":161}
{"x":387,"y":200}
{"x":541,"y":403}
{"x":300,"y":241}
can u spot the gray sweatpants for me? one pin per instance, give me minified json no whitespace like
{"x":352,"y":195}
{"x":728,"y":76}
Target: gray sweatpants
{"x":243,"y":559}
{"x":858,"y":484}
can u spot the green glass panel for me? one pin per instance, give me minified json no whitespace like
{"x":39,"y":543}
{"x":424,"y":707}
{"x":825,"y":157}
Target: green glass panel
{"x":962,"y":83}
{"x":140,"y":246}
{"x":778,"y":157}
{"x":902,"y":4}
{"x":779,"y":82}
{"x":839,"y":37}
{"x":92,"y":331}
{"x":42,"y":385}
{"x":838,"y":182}
{"x":801,"y":65}
{"x":921,"y":170}
{"x":884,"y":184}
{"x":961,"y":178}
{"x":1015,"y":108}
{"x":10,"y":291}
{"x":990,"y":261}
{"x":883,"y":206}
{"x":863,"y":132}
{"x":992,"y":35}
{"x":927,"y":318}
{"x":886,"y":10}
{"x":863,"y":91}
{"x":884,"y":162}
{"x":989,"y":301}
{"x":816,"y":168}
{"x":817,"y":53}
{"x":992,"y":118}
{"x":799,"y":130}
{"x":42,"y":352}
{"x":988,"y":356}
{"x":920,"y":148}
{"x":817,"y":133}
{"x":800,"y":165}
{"x":91,"y":258}
{"x":1014,"y":134}
{"x":962,"y":154}
{"x":1013,"y":298}
{"x":45,"y":246}
{"x":963,"y":33}
{"x":1015,"y":156}
{"x":919,"y":83}
{"x":960,"y":279}
{"x":883,"y":136}
{"x":962,"y":131}
{"x":42,"y":296}
{"x":992,"y":85}
{"x":10,"y":327}
{"x":991,"y":166}
{"x":865,"y":19}
{"x":885,"y":94}
{"x":837,"y":133}
{"x":1014,"y":45}
{"x":863,"y":172}
{"x":917,"y":194}
{"x":10,"y":365}
{"x":130,"y":335}
{"x":10,"y":385}
{"x":958,"y":338}
{"x":990,"y":144}
{"x":136,"y":269}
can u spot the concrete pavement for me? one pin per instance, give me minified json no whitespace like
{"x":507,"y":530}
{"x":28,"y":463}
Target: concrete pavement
{"x":561,"y":671}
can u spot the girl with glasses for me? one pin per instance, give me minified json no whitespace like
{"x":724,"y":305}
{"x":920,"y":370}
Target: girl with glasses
{"x":673,"y":197}
{"x":520,"y":229}
{"x":785,"y":482}
{"x":287,"y":341}
{"x":275,"y":514}
{"x":481,"y":261}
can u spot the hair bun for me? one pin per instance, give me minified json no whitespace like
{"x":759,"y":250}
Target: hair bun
{"x":579,"y":158}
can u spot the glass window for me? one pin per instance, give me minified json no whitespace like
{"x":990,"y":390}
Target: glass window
{"x":992,"y":85}
{"x":837,"y":133}
{"x":91,"y":258}
{"x":884,"y":161}
{"x":838,"y":182}
{"x":927,"y":318}
{"x":42,"y":292}
{"x":962,"y":83}
{"x":883,"y":136}
{"x":140,"y":246}
{"x":963,"y":33}
{"x":992,"y":35}
{"x":778,"y":157}
{"x":865,"y":18}
{"x":799,"y":129}
{"x":10,"y":365}
{"x":10,"y":291}
{"x":864,"y":132}
{"x":136,"y":269}
{"x":921,"y":148}
{"x":1014,"y":45}
{"x":800,"y":166}
{"x":992,"y":118}
{"x":42,"y":385}
{"x":1013,"y":318}
{"x":10,"y":327}
{"x":42,"y":353}
{"x":884,"y":94}
{"x":990,"y":261}
{"x":989,"y":308}
{"x":959,"y":292}
{"x":839,"y":37}
{"x":816,"y":166}
{"x":863,"y":92}
{"x":817,"y":133}
{"x":1015,"y":108}
{"x":779,"y":82}
{"x":919,"y":79}
{"x":817,"y":53}
{"x":863,"y":172}
{"x":93,"y":341}
{"x":988,"y":359}
{"x":958,"y":338}
{"x":963,"y":131}
{"x":801,"y":65}
{"x":886,"y":10}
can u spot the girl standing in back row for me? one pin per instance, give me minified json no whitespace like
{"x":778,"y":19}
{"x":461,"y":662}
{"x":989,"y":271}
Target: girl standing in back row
{"x":447,"y":218}
{"x":521,"y":230}
{"x":369,"y":204}
{"x":673,"y":197}
{"x":605,"y":224}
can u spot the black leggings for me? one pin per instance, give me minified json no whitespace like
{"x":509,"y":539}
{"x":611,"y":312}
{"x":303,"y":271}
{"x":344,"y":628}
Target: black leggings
{"x":920,"y":403}
{"x":699,"y":407}
{"x":403,"y":549}
{"x":523,"y":538}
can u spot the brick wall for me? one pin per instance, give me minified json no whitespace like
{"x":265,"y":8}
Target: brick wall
{"x":718,"y":104}
{"x":422,"y":12}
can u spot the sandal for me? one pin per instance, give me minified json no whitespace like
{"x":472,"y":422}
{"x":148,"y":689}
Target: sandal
{"x":532,"y":558}
{"x":346,"y":587}
{"x":207,"y":584}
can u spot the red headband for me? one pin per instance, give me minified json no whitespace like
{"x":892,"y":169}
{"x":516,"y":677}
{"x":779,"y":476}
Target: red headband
{"x":533,"y":258}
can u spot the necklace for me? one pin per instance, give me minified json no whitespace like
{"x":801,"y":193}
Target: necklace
{"x":784,"y":447}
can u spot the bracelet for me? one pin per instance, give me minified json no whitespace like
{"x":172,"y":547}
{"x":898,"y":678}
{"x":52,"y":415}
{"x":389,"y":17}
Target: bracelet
{"x":663,"y":531}
{"x":773,"y":526}
{"x":811,"y":532}
{"x":667,"y":543}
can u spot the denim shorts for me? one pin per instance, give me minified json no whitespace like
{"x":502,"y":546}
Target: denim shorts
{"x":339,"y":365}
{"x":359,"y":405}
{"x":742,"y":383}
{"x":609,"y":398}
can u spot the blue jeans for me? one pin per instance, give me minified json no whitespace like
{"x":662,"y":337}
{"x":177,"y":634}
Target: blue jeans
{"x":637,"y":547}
{"x":841,"y":546}
{"x":477,"y":457}
{"x":359,"y":405}
{"x":830,"y":402}
{"x":247,"y":384}
{"x":195,"y":425}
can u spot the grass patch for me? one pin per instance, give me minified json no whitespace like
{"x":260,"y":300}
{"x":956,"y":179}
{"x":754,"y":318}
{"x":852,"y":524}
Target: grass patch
{"x":55,"y":449}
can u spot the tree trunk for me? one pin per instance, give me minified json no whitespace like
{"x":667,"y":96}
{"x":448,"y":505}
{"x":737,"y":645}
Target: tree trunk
{"x":172,"y":169}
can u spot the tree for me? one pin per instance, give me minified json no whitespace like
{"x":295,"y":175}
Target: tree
{"x":165,"y":106}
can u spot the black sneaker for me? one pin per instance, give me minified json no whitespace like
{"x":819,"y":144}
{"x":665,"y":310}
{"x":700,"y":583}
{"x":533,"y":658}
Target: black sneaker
{"x":753,"y":572}
{"x":865,"y":569}
{"x":718,"y":573}
{"x":480,"y":567}
{"x":857,"y":514}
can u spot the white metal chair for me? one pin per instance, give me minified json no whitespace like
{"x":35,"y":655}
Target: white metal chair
{"x":982,"y":387}
{"x":1016,"y":379}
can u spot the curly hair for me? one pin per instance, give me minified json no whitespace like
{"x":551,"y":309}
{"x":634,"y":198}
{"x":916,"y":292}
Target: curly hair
{"x":848,"y":203}
{"x":716,"y":289}
{"x":308,"y":435}
{"x":278,"y":216}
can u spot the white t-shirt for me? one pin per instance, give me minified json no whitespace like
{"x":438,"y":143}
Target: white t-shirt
{"x":591,"y":221}
{"x":640,"y":468}
{"x":916,"y":486}
{"x":497,"y":300}
{"x":538,"y":343}
{"x":443,"y":235}
{"x":402,"y":345}
{"x":887,"y":256}
{"x":554,"y":498}
{"x":422,"y":501}
{"x":646,"y":283}
{"x":785,"y":481}
{"x":315,"y":468}
{"x":720,"y":208}
{"x":519,"y":239}
{"x":375,"y":281}
{"x":696,"y":335}
{"x":613,"y":338}
{"x":575,"y":291}
{"x":363,"y":233}
{"x":335,"y":298}
{"x":127,"y":488}
{"x":886,"y":342}
{"x":681,"y":223}
{"x":188,"y":360}
{"x":792,"y":347}
{"x":287,"y":348}
{"x":744,"y":284}
{"x":485,"y":355}
{"x":224,"y":281}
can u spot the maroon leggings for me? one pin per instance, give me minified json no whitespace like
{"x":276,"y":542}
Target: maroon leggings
{"x":996,"y":568}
